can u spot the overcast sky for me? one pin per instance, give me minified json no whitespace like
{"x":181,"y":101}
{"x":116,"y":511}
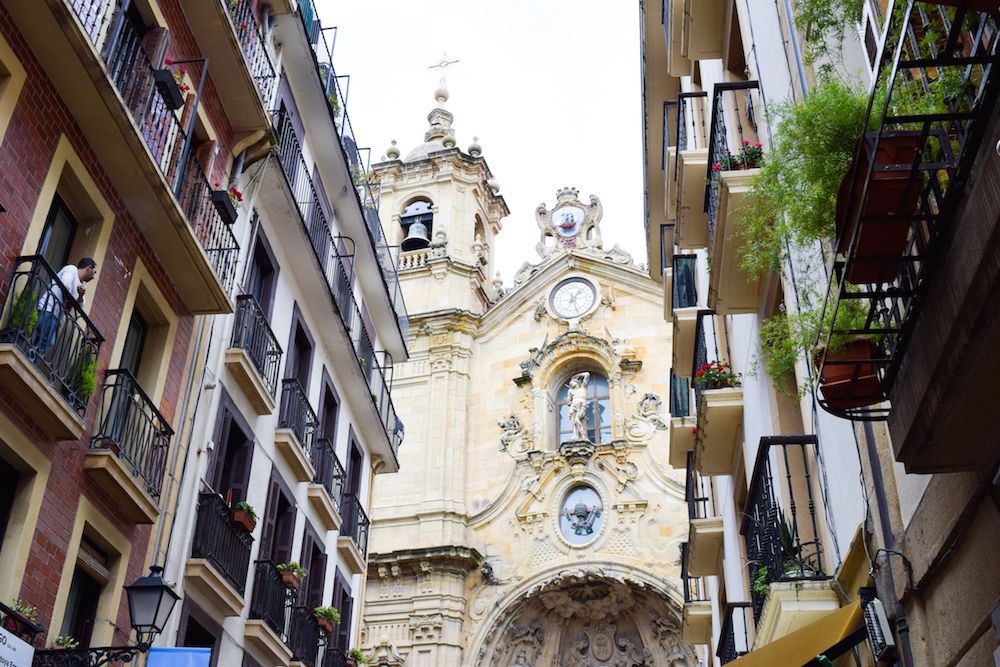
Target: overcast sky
{"x":550,"y":87}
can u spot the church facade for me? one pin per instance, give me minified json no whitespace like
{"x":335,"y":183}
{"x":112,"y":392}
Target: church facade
{"x":535,"y":519}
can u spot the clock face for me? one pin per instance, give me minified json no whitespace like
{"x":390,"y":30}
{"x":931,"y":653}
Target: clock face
{"x":573,"y":298}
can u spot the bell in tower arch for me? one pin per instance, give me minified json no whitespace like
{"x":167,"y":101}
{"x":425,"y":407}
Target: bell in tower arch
{"x":416,"y":219}
{"x":416,"y":237}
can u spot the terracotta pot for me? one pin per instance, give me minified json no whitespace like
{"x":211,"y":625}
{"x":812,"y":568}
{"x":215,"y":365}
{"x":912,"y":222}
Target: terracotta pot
{"x":892,"y":196}
{"x":290,"y":581}
{"x":351,"y":662}
{"x":846,"y":386}
{"x":243,"y":519}
{"x":325,"y":624}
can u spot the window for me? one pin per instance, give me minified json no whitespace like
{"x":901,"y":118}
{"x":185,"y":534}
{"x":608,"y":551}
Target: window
{"x":262,"y":274}
{"x":135,"y":340}
{"x":329,"y":410}
{"x":342,"y":602}
{"x":230,"y":469}
{"x":89,"y":578}
{"x":598,"y":409}
{"x":313,"y":560}
{"x":58,"y":234}
{"x":197,"y":629}
{"x":300,"y":349}
{"x":9,"y":479}
{"x":279,"y":523}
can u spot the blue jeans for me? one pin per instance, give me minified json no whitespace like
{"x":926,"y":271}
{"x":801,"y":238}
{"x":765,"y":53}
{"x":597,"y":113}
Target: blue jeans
{"x":45,"y":332}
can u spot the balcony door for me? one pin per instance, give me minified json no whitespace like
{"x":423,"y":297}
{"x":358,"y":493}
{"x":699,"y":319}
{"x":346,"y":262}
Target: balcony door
{"x":262,"y":275}
{"x":313,"y":560}
{"x":229,"y":473}
{"x":279,"y":523}
{"x":58,"y":234}
{"x":123,"y":420}
{"x":342,"y":602}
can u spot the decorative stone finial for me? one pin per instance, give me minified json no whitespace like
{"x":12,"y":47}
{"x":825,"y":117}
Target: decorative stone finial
{"x":393,"y":152}
{"x":475,"y":150}
{"x":441,"y":94}
{"x":566,"y":194}
{"x":493,"y":185}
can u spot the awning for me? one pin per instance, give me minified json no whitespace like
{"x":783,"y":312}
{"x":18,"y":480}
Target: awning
{"x":832,"y":636}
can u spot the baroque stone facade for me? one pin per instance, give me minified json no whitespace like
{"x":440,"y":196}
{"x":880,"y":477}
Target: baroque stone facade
{"x":506,"y":539}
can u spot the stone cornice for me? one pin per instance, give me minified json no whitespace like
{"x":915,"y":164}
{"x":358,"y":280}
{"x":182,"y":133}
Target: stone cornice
{"x":414,"y":561}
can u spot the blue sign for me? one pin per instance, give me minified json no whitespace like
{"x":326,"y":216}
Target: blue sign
{"x":181,"y":656}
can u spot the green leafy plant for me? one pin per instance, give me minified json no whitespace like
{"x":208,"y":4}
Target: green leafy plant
{"x":329,"y":613}
{"x":357,"y":656}
{"x":825,"y":22}
{"x":762,"y":582}
{"x":293,"y":568}
{"x":82,"y":375}
{"x":331,"y":98}
{"x":24,"y":316}
{"x":65,"y":641}
{"x":243,"y":506}
{"x":24,"y":609}
{"x":717,"y":375}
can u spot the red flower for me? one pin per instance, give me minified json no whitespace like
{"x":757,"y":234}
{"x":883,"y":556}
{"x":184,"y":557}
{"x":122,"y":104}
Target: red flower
{"x":699,"y":374}
{"x":694,"y":431}
{"x":244,"y":26}
{"x":182,"y":70}
{"x":746,"y":142}
{"x":168,"y":61}
{"x":758,"y":145}
{"x":717,"y":166}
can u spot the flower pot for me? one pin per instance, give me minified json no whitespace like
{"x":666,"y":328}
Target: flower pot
{"x":167,"y":86}
{"x":242,"y":519}
{"x":887,"y":216}
{"x":290,"y":581}
{"x":846,"y":386}
{"x":325,"y":624}
{"x":351,"y":662}
{"x":224,"y":205}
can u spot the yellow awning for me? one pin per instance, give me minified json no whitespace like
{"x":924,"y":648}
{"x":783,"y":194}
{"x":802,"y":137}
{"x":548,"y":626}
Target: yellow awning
{"x":798,"y":648}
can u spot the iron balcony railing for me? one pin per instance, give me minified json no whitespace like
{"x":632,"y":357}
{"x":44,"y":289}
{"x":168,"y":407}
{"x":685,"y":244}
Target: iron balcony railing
{"x":303,"y":635}
{"x":329,"y":472}
{"x":735,"y":638}
{"x":780,"y":521}
{"x":19,"y":625}
{"x":680,"y":396}
{"x":697,"y":492}
{"x":132,"y":427}
{"x":706,"y":348}
{"x":270,"y":599}
{"x":334,"y":657}
{"x":44,"y":321}
{"x":219,"y":541}
{"x":297,"y":415}
{"x":734,"y":140}
{"x":169,"y":141}
{"x":250,"y":35}
{"x":252,"y":333}
{"x":694,"y":587}
{"x":690,"y":125}
{"x":685,"y":282}
{"x":932,"y":97}
{"x":356,"y":522}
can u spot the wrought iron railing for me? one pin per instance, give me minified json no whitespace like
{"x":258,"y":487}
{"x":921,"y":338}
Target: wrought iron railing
{"x":934,"y":93}
{"x":334,"y":657}
{"x":19,"y":625}
{"x":694,"y":587}
{"x":48,"y":325}
{"x":219,"y":541}
{"x":356,"y":523}
{"x":685,"y":282}
{"x":692,"y":134}
{"x":734,"y":140}
{"x":130,"y":426}
{"x":252,"y":333}
{"x":303,"y":635}
{"x":680,"y":396}
{"x":697,"y":493}
{"x":270,"y":599}
{"x":735,"y":638}
{"x":781,"y":526}
{"x":329,"y":471}
{"x":169,"y":142}
{"x":250,"y":34}
{"x":706,"y":348}
{"x":297,"y":415}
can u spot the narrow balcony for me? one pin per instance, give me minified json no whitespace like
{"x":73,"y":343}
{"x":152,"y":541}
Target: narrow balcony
{"x":783,"y":530}
{"x":689,"y":170}
{"x":303,"y":635}
{"x":220,"y":557}
{"x":334,"y":657}
{"x":327,"y":487}
{"x":682,"y":423}
{"x":353,"y":540}
{"x":48,"y":349}
{"x":705,"y":533}
{"x":736,"y":636}
{"x":127,"y":457}
{"x":906,"y":207}
{"x":673,"y":23}
{"x":684,"y":309}
{"x":696,"y":625}
{"x":702,"y":25}
{"x":735,"y":156}
{"x":297,"y":424}
{"x":231,"y":35}
{"x":19,"y":625}
{"x":719,"y":427}
{"x":265,"y":628}
{"x":117,"y":91}
{"x":254,"y":355}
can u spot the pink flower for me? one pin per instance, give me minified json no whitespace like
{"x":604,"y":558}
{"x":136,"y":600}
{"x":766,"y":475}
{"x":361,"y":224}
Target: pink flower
{"x":168,"y":61}
{"x":717,"y":166}
{"x":182,"y":70}
{"x":758,"y":145}
{"x":694,"y":431}
{"x":746,"y":142}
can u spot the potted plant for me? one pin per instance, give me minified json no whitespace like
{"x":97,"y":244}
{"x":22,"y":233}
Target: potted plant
{"x":227,"y":202}
{"x":24,"y":609}
{"x":244,"y":516}
{"x":326,"y":618}
{"x":65,"y":642}
{"x":24,"y":316}
{"x":846,"y":381}
{"x":762,"y":582}
{"x":170,"y":84}
{"x":355,"y":657}
{"x":717,"y":375}
{"x":292,"y":574}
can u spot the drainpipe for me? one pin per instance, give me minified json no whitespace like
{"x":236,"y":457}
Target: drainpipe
{"x":793,"y":36}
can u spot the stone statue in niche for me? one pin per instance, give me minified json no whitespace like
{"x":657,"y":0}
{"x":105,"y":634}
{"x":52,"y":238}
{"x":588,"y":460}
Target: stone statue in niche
{"x":512,"y":434}
{"x":578,"y":403}
{"x":649,"y":409}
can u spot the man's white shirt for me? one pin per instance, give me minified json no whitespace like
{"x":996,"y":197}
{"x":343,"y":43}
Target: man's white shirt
{"x":53,"y":300}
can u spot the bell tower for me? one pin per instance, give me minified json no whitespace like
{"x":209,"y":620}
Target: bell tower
{"x":442,"y":205}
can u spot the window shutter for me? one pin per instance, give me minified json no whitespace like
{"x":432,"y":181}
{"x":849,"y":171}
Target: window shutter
{"x":239,"y":473}
{"x":270,"y":519}
{"x":219,"y":454}
{"x":285,"y":524}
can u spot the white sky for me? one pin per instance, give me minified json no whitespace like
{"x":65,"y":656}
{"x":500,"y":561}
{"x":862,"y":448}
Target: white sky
{"x":551,"y":88}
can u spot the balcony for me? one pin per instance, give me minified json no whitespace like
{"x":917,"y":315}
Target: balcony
{"x":696,"y":625}
{"x":327,"y":487}
{"x":303,"y":635}
{"x":735,"y":156}
{"x":682,"y":423}
{"x":720,"y":410}
{"x":297,"y":424}
{"x":695,"y":32}
{"x":18,"y":625}
{"x":265,"y":628}
{"x":782,"y":528}
{"x":229,"y":33}
{"x":307,"y":53}
{"x":127,"y":457}
{"x":101,"y":70}
{"x":673,"y":21}
{"x":684,"y":310}
{"x":911,"y":238}
{"x":690,"y":165}
{"x":220,"y":558}
{"x":704,"y":546}
{"x":48,"y":349}
{"x":735,"y":638}
{"x":254,"y":355}
{"x":353,"y":540}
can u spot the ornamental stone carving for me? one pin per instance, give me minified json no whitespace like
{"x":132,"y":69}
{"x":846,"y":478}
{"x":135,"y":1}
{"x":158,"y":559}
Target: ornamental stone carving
{"x":512,"y":437}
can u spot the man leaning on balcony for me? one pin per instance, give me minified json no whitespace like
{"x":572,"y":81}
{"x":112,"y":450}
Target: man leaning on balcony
{"x":73,"y":279}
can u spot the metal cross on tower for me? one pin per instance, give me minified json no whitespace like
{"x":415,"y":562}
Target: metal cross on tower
{"x":443,"y":66}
